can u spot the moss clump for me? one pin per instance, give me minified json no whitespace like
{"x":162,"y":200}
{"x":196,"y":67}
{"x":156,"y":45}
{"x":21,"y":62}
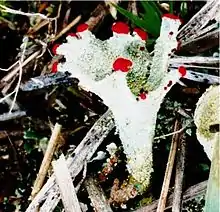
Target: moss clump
{"x":146,"y":201}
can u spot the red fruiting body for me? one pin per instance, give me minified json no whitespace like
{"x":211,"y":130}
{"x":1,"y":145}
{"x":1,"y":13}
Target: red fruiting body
{"x":171,"y":16}
{"x":54,"y":49}
{"x":165,"y":88}
{"x":142,"y":34}
{"x":143,"y":96}
{"x":54,"y":67}
{"x":72,"y":34}
{"x":120,"y":28}
{"x":82,"y":27}
{"x":122,"y":64}
{"x":169,"y":83}
{"x":182,"y":70}
{"x":142,"y":48}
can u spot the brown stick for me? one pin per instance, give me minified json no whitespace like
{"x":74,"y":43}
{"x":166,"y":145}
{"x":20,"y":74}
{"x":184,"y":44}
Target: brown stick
{"x":37,"y":27}
{"x":180,"y":166}
{"x":166,"y":182}
{"x":83,"y":153}
{"x":46,"y":160}
{"x":96,"y":195}
{"x":190,"y":193}
{"x":11,"y":74}
{"x":97,"y":16}
{"x":68,"y":27}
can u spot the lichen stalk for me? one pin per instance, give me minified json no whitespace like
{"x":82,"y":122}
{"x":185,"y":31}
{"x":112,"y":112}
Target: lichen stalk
{"x":165,"y":44}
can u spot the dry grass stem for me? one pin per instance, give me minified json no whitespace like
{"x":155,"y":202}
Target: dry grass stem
{"x":180,"y":167}
{"x":10,"y":75}
{"x":46,"y":160}
{"x":169,"y":168}
{"x":68,"y":27}
{"x":17,"y":12}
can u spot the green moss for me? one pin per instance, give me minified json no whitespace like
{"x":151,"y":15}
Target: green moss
{"x":146,"y":201}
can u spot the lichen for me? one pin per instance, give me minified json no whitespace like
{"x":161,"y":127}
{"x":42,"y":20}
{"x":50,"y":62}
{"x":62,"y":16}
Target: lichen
{"x":206,"y":115}
{"x":165,"y":44}
{"x":119,"y":71}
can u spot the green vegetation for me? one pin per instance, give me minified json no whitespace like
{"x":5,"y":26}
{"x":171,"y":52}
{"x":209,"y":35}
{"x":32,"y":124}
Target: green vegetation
{"x":151,"y":14}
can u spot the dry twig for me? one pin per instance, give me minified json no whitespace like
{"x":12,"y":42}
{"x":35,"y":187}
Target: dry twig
{"x":11,"y":74}
{"x":167,"y":177}
{"x":64,"y":181}
{"x":97,"y":16}
{"x":46,"y":160}
{"x":205,"y":42}
{"x":180,"y":166}
{"x":68,"y":27}
{"x":173,"y":133}
{"x":20,"y":75}
{"x":83,"y":176}
{"x":10,"y":116}
{"x":17,"y":12}
{"x":96,"y":195}
{"x":82,"y":153}
{"x":192,"y":192}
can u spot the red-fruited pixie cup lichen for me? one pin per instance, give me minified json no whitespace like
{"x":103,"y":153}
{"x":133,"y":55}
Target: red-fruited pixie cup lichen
{"x":54,"y":49}
{"x":120,"y":28}
{"x":116,"y":70}
{"x":141,"y":33}
{"x":122,"y":64}
{"x":72,"y":34}
{"x":82,"y":27}
{"x":54,"y":67}
{"x":172,"y":16}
